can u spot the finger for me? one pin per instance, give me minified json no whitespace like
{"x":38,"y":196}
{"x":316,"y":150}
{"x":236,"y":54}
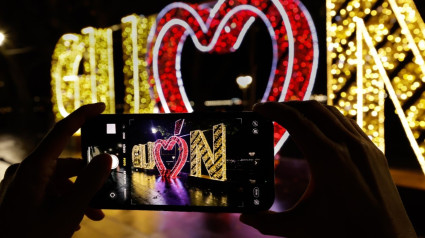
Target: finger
{"x":362,"y":148}
{"x":8,"y":177}
{"x":56,"y":191}
{"x":347,"y":122}
{"x":359,"y":130}
{"x":54,"y":143}
{"x":88,"y":183}
{"x":68,"y":167}
{"x":273,"y":223}
{"x":94,"y":214}
{"x":36,"y":171}
{"x":308,"y":137}
{"x":10,"y":173}
{"x":328,"y":119}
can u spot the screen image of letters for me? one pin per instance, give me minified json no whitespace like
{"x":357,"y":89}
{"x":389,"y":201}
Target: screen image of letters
{"x":185,"y":162}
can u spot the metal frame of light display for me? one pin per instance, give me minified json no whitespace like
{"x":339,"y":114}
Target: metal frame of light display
{"x":378,"y":48}
{"x":216,"y":27}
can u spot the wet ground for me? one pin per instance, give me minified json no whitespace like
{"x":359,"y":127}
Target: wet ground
{"x":152,"y":189}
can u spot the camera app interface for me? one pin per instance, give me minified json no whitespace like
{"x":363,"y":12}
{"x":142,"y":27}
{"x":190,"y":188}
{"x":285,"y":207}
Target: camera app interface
{"x":180,"y":161}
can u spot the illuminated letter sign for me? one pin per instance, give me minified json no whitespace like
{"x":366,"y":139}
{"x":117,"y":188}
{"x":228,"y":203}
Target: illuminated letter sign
{"x":139,"y":96}
{"x":152,"y":70}
{"x":221,"y":29}
{"x":71,"y":90}
{"x":142,"y":157}
{"x":200,"y":151}
{"x":65,"y":81}
{"x":386,"y":52}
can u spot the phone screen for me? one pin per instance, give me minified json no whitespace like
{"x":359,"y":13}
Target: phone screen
{"x":186,"y":162}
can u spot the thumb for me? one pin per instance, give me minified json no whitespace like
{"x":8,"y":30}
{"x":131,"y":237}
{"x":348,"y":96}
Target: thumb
{"x":87,"y":184}
{"x":272,"y":223}
{"x":91,"y":180}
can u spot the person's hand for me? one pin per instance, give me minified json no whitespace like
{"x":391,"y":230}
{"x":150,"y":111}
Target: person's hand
{"x":37,"y":199}
{"x":351,"y":192}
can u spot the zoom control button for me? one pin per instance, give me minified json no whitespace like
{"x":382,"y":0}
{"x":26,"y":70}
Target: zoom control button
{"x":256,"y":192}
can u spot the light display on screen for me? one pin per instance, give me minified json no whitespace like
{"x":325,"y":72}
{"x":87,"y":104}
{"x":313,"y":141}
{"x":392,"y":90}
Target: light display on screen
{"x":200,"y":152}
{"x":168,"y":159}
{"x":378,"y":48}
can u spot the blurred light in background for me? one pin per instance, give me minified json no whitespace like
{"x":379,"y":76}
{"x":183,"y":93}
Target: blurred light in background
{"x":2,"y":38}
{"x":376,"y":49}
{"x":244,"y":81}
{"x":12,"y":150}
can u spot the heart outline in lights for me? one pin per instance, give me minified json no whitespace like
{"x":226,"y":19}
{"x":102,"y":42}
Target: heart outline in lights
{"x":220,"y":28}
{"x":169,"y":144}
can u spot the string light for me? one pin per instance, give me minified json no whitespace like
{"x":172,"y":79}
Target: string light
{"x":148,"y":156}
{"x":221,"y":30}
{"x":207,"y":29}
{"x":92,"y":48}
{"x":142,"y":156}
{"x":66,"y":59}
{"x":391,"y":60}
{"x":139,"y":96}
{"x":168,"y":144}
{"x":98,"y":68}
{"x":200,"y":151}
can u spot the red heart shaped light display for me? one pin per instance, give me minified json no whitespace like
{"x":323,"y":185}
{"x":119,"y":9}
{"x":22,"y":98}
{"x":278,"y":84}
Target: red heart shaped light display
{"x":220,"y":28}
{"x":169,"y":145}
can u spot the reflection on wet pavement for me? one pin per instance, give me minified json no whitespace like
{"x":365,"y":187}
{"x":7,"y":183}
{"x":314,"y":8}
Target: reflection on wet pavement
{"x":153,"y":189}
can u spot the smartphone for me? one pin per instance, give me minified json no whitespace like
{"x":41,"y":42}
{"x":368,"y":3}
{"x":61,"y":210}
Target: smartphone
{"x":212,"y":162}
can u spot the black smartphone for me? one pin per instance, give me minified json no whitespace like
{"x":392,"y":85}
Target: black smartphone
{"x":213,"y":162}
